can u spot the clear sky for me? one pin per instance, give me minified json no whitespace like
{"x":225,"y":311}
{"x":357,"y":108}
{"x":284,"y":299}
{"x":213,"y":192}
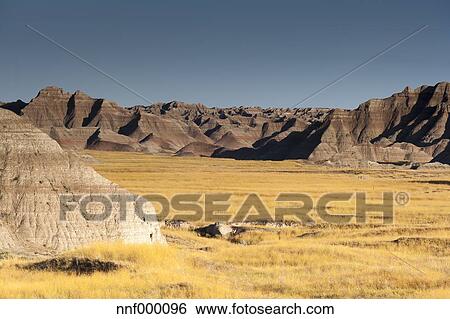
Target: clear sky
{"x":221,"y":53}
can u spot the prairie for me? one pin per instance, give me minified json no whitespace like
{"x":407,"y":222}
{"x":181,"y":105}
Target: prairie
{"x":409,"y":258}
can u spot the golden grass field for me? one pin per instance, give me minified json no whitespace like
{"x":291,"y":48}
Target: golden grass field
{"x":408,"y":259}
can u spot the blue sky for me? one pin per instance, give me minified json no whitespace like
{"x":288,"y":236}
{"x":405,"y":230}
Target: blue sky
{"x":221,"y":53}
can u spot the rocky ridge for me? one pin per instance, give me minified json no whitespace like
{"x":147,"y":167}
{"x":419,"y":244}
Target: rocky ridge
{"x":34,"y":172}
{"x":407,"y":127}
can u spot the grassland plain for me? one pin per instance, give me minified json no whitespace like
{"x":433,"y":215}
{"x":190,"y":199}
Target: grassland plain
{"x":410,"y":258}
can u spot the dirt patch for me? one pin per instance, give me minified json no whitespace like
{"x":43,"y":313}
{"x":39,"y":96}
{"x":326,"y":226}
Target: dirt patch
{"x":78,"y":266}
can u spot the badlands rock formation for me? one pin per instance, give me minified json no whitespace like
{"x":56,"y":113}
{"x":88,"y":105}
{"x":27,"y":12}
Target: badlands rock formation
{"x":34,"y":171}
{"x":410,"y":126}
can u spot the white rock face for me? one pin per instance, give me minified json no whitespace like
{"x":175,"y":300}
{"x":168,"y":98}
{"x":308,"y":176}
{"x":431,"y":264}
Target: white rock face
{"x":34,"y":173}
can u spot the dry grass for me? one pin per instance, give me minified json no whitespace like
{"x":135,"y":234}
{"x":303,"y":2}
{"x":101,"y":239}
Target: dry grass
{"x":143,"y":174}
{"x":410,"y":259}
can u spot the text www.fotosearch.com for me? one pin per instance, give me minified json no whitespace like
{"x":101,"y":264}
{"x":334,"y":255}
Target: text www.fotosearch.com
{"x":223,"y":309}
